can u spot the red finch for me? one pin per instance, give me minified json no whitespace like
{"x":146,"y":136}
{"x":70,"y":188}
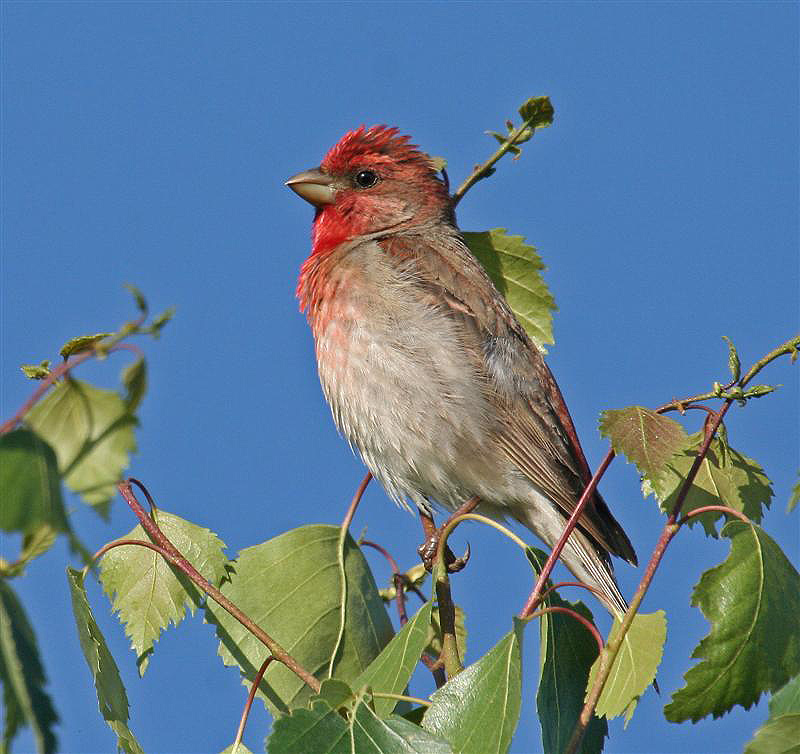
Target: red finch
{"x":427,"y":371}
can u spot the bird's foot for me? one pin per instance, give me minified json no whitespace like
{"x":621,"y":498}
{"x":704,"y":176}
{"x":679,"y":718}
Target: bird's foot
{"x":428,"y":549}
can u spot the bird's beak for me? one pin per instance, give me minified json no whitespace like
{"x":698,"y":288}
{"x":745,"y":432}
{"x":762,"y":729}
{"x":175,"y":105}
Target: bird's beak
{"x":314,"y":186}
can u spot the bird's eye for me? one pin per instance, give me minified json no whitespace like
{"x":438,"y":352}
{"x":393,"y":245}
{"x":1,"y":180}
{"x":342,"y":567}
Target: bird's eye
{"x":366,"y":178}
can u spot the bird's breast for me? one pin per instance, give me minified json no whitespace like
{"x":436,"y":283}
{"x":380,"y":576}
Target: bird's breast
{"x":403,"y":386}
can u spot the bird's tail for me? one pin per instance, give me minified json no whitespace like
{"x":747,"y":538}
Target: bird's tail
{"x":584,"y":559}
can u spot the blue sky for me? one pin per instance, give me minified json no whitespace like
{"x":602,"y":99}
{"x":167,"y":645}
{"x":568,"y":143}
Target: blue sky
{"x":149,"y":142}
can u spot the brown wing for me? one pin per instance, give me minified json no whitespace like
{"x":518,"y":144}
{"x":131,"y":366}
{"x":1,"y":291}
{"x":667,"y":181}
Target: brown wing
{"x":538,"y":433}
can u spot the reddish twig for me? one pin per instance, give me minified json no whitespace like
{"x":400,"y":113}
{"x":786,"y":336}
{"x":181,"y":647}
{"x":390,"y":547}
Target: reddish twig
{"x":397,"y":580}
{"x":383,"y":551}
{"x":146,"y":492}
{"x":535,"y":595}
{"x":590,"y":627}
{"x":437,"y":669}
{"x":593,"y":589}
{"x":249,"y":703}
{"x":179,"y":561}
{"x":720,"y":508}
{"x":139,"y":542}
{"x":351,"y":510}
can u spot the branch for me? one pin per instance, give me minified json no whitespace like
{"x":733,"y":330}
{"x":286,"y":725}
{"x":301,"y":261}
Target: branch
{"x":180,"y":562}
{"x":790,"y":347}
{"x":517,"y":136}
{"x":670,"y":529}
{"x":60,"y":371}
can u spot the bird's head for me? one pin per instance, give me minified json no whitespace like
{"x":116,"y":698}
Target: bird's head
{"x":372,"y":181}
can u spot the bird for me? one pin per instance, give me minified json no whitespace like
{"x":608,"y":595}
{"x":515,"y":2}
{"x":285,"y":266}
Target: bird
{"x":428,"y":373}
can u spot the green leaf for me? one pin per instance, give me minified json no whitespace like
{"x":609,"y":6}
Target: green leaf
{"x":733,"y":359}
{"x":777,"y":736}
{"x":503,"y":138}
{"x":322,"y":730}
{"x":477,"y":710}
{"x":415,"y":575}
{"x":91,"y":432}
{"x":538,"y":110}
{"x":82,"y":343}
{"x":111,"y":696}
{"x":34,"y":544}
{"x":291,"y":587}
{"x":157,"y":325}
{"x":336,"y":693}
{"x":433,"y":645}
{"x":138,"y":296}
{"x":780,"y":734}
{"x":147,"y":592}
{"x":240,"y":749}
{"x":752,"y":600}
{"x":36,"y":371}
{"x":644,"y":437}
{"x":31,"y":486}
{"x":786,"y":699}
{"x":134,"y":378}
{"x":514,"y":268}
{"x":634,"y":667}
{"x":725,"y":477}
{"x":757,"y":391}
{"x":392,"y":669}
{"x":24,"y":698}
{"x":567,"y":651}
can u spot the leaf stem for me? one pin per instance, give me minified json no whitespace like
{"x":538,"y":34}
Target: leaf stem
{"x":720,"y":508}
{"x":494,"y":524}
{"x":398,"y":580}
{"x":119,"y":542}
{"x":351,"y":510}
{"x":249,"y":703}
{"x":568,"y":611}
{"x":180,"y":562}
{"x":401,"y":698}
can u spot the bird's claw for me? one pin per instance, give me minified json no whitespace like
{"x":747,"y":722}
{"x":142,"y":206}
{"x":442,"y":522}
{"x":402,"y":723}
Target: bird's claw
{"x":428,"y":549}
{"x":457,"y":564}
